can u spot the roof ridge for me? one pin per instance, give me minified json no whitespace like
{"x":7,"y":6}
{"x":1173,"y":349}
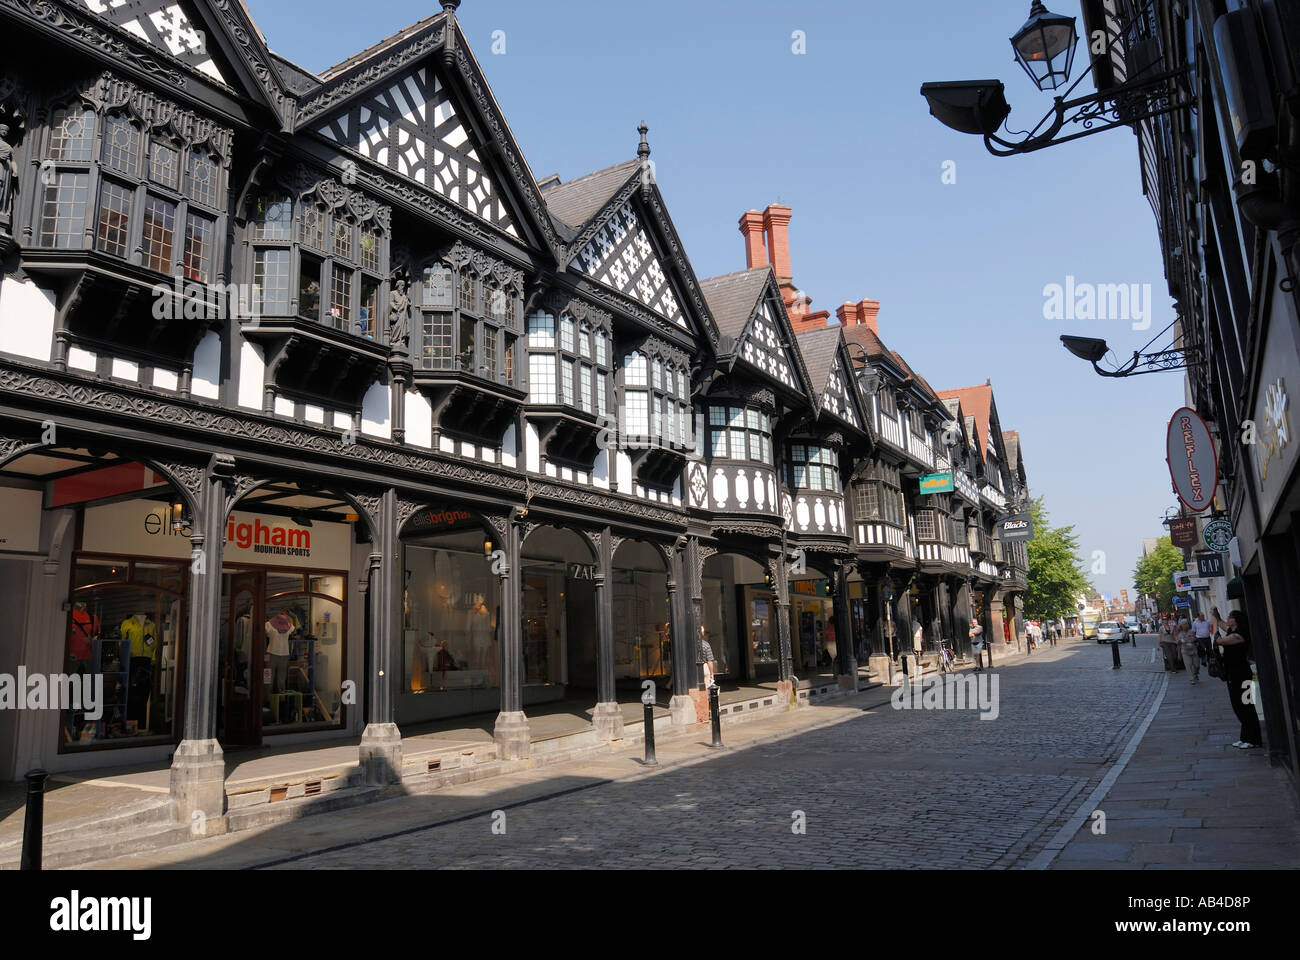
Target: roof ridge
{"x":595,"y":173}
{"x":329,"y":73}
{"x":735,"y":273}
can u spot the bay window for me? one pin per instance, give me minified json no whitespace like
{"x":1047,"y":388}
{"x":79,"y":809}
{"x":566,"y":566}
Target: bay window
{"x":335,"y":263}
{"x":567,"y":362}
{"x":117,"y":183}
{"x":878,"y":495}
{"x":813,"y":468}
{"x":740,"y":433}
{"x":466,"y":323}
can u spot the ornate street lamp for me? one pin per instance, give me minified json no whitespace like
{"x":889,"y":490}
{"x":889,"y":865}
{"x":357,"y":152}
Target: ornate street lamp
{"x":1176,"y":356}
{"x":1045,"y":47}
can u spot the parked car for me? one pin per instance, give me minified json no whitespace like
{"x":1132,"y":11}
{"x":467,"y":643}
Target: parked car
{"x":1133,"y":625}
{"x":1111,"y":631}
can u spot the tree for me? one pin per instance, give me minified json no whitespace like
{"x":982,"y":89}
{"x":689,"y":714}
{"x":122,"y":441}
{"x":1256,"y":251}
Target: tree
{"x":1055,"y":575}
{"x":1154,"y":573}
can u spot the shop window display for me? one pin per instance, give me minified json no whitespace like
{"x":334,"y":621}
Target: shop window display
{"x":451,"y":616}
{"x":642,"y":633}
{"x":126,"y":624}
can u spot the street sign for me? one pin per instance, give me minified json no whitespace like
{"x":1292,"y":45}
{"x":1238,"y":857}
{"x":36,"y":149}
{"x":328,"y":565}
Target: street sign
{"x":1182,"y":603}
{"x":1182,"y":531}
{"x":1017,"y":526}
{"x":937,"y":483}
{"x":1193,"y":463}
{"x":1218,"y":534}
{"x":1182,"y":580}
{"x":1209,"y":564}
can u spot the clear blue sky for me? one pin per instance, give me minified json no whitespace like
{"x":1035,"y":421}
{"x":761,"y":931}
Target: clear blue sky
{"x":737,"y":121}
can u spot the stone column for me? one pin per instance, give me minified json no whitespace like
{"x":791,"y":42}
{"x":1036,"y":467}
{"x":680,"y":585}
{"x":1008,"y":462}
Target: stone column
{"x":608,"y":718}
{"x":198,"y":771}
{"x":681,"y":706}
{"x":787,"y":685}
{"x":511,"y":729}
{"x":400,"y":371}
{"x":381,"y":742}
{"x":847,"y":657}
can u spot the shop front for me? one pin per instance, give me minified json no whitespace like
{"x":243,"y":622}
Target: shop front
{"x":740,"y":618}
{"x":812,"y":626}
{"x":283,"y":629}
{"x":451,"y":617}
{"x":559,"y":616}
{"x":642,"y":621}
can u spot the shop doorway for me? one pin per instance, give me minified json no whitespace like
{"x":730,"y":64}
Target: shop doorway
{"x":812,"y":625}
{"x":281,"y":655}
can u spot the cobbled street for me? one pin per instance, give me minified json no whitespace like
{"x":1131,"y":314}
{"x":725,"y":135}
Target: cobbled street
{"x":917,"y":788}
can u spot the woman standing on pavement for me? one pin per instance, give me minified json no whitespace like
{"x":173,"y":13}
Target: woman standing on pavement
{"x":1234,"y":646}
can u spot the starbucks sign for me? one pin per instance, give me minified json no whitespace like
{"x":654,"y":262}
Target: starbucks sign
{"x":1218,"y":534}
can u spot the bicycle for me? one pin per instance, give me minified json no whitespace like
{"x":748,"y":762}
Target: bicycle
{"x":947,"y":661}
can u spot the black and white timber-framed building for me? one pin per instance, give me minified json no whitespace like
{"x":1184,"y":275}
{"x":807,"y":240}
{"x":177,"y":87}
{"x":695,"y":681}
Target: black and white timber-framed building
{"x":320,"y":416}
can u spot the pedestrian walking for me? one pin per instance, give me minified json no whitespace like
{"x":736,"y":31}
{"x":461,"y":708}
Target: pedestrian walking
{"x":1187,"y":646}
{"x":706,"y":658}
{"x":1054,"y":632}
{"x":1233,"y":641}
{"x":1168,"y":643}
{"x":977,"y":644}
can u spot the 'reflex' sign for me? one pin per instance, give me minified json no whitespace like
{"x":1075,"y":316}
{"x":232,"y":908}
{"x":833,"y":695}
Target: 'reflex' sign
{"x":1193,"y":461}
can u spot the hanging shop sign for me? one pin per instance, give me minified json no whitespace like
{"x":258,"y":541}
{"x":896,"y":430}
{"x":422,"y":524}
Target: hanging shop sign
{"x":937,"y":483}
{"x":1218,"y":535}
{"x":1182,"y":531}
{"x":20,"y":520}
{"x":1182,"y":581}
{"x":1193,"y":462}
{"x":1182,"y":603}
{"x":1209,"y":564}
{"x":1017,"y":526}
{"x":144,"y":528}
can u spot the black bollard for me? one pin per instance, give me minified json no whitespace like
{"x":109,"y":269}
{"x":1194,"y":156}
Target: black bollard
{"x":33,"y":824}
{"x":1114,"y":649}
{"x":714,"y":716}
{"x":650,"y":735}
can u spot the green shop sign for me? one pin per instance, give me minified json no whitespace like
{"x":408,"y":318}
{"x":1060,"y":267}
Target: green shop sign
{"x":937,"y":483}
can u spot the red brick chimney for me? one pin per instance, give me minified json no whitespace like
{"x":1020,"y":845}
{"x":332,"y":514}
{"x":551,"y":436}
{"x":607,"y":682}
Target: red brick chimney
{"x":776,"y":221}
{"x":751,"y":225}
{"x":848,"y":315}
{"x":868,"y":312}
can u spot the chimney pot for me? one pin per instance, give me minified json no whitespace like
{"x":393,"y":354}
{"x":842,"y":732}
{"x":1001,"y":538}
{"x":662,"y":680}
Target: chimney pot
{"x":868,"y":312}
{"x":751,"y":225}
{"x":776,"y":221}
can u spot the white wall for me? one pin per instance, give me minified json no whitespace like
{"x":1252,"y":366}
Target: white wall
{"x":206,"y":379}
{"x":376,"y":411}
{"x":252,"y":376}
{"x":419,"y":419}
{"x":26,"y":319}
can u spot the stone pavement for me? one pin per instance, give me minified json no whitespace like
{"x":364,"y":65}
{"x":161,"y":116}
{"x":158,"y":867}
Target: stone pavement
{"x":848,"y":783}
{"x":1187,"y":799}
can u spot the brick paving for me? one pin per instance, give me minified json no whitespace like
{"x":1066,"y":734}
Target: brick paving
{"x":874,"y":787}
{"x":889,"y":788}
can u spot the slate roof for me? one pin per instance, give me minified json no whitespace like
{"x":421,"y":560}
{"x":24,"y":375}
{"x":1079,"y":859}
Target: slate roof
{"x":818,"y":348}
{"x":576,"y":202}
{"x":976,"y":402}
{"x":733,"y":298}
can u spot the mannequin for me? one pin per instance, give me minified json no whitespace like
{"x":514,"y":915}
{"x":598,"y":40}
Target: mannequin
{"x":278,"y":630}
{"x":85,"y":629}
{"x":481,"y":626}
{"x":424,"y":663}
{"x":142,"y":635}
